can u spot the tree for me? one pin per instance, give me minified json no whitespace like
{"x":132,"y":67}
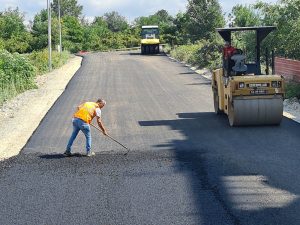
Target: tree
{"x":115,"y":21}
{"x":159,"y":18}
{"x":204,"y":16}
{"x":181,"y":22}
{"x":13,"y":31}
{"x":67,"y":8}
{"x":245,"y":16}
{"x":94,"y":35}
{"x":72,"y":33}
{"x":285,"y":15}
{"x":39,"y":30}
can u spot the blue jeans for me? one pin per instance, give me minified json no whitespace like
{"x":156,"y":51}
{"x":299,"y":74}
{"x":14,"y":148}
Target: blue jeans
{"x":78,"y":125}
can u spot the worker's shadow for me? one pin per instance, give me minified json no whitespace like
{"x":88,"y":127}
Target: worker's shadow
{"x":61,"y":156}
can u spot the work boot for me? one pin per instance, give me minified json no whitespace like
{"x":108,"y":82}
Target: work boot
{"x":89,"y":154}
{"x":67,"y":153}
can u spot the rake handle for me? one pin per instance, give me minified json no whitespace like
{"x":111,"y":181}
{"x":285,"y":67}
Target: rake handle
{"x":110,"y":137}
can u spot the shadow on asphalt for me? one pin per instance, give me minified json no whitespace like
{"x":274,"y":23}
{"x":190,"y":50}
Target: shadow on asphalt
{"x":138,"y":53}
{"x":188,"y":72}
{"x":201,"y":84}
{"x":60,"y":156}
{"x":251,"y":171}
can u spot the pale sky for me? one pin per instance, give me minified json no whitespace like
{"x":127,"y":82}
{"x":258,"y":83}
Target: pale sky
{"x":131,"y":9}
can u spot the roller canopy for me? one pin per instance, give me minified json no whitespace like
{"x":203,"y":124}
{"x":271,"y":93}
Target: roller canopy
{"x":262,"y":32}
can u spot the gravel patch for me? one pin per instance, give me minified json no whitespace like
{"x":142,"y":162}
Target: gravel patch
{"x":292,"y":109}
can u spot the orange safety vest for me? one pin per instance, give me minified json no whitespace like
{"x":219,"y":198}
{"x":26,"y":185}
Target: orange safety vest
{"x":87,"y":111}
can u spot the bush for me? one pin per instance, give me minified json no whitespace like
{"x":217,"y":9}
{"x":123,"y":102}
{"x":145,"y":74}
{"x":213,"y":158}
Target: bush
{"x":40,"y":60}
{"x":292,"y":90}
{"x":72,"y":47}
{"x":18,"y":72}
{"x":167,"y":48}
{"x":205,"y":53}
{"x":210,"y":54}
{"x":186,"y":53}
{"x":16,"y":75}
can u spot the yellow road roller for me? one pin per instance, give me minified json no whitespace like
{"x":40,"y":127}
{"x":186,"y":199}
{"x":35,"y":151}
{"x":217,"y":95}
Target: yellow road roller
{"x":150,"y":40}
{"x":239,"y":88}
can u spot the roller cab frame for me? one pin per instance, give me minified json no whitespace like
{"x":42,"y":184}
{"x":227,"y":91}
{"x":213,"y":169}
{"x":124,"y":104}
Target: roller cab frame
{"x":244,"y":94}
{"x":150,"y":40}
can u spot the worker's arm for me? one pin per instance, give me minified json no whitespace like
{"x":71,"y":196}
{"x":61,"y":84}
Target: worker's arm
{"x":100,"y":124}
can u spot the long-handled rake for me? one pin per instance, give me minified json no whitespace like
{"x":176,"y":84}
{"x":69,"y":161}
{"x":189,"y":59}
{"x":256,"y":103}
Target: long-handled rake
{"x":112,"y":139}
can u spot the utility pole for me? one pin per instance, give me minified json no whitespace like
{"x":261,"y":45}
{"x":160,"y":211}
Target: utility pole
{"x":49,"y":34}
{"x":60,"y":44}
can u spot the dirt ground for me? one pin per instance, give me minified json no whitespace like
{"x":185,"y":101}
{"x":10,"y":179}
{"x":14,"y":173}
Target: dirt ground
{"x":292,"y":109}
{"x":20,"y":116}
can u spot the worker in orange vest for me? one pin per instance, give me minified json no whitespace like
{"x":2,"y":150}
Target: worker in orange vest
{"x":81,"y":120}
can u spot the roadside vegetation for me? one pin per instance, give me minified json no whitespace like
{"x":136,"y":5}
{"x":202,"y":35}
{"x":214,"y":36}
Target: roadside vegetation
{"x":40,"y":60}
{"x":16,"y":74}
{"x":292,"y":90}
{"x":18,"y":71}
{"x":190,"y":35}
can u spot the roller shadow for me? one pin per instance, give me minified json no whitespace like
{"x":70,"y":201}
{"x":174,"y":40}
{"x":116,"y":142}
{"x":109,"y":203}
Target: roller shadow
{"x":139,"y":54}
{"x":225,"y":160}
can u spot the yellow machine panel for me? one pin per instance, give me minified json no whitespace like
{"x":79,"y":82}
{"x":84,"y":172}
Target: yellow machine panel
{"x":150,"y":41}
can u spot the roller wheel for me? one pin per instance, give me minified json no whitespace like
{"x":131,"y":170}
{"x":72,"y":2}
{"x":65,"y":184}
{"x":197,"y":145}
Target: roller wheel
{"x":260,"y":111}
{"x":216,"y":102}
{"x":231,"y":114}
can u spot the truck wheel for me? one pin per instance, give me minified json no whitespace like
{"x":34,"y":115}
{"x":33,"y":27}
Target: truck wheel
{"x":152,"y":49}
{"x":142,"y":50}
{"x":147,"y":49}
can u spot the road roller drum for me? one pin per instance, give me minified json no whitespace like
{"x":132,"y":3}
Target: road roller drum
{"x":261,"y":111}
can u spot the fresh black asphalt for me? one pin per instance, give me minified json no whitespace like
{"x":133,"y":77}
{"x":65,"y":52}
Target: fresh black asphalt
{"x":187,"y":166}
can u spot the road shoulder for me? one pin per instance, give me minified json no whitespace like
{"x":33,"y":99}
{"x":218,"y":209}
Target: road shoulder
{"x":20,"y":117}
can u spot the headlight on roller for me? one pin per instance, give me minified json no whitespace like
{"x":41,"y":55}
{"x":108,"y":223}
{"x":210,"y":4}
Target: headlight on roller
{"x":241,"y":85}
{"x":276,"y":84}
{"x":279,"y":84}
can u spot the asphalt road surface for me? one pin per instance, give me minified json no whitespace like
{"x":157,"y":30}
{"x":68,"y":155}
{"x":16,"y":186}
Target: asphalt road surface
{"x":186,"y":165}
